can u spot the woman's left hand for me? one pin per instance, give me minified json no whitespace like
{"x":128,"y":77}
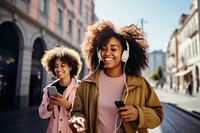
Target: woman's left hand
{"x":61,"y":101}
{"x":128,"y":113}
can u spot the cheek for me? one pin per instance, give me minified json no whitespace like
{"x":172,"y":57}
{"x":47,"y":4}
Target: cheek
{"x":67,"y":69}
{"x":119,"y":56}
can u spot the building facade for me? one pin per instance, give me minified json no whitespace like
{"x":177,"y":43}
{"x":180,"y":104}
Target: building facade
{"x":157,"y":58}
{"x":27,"y":29}
{"x":172,"y":61}
{"x":188,"y":51}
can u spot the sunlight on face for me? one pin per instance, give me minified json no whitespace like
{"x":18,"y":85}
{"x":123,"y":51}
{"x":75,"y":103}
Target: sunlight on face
{"x":62,"y":69}
{"x":111,"y":54}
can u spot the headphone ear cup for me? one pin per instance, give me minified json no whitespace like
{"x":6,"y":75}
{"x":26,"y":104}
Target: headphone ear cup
{"x":99,"y":54}
{"x":125,"y":56}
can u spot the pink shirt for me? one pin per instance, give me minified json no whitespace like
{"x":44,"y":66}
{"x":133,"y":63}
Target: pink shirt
{"x":110,"y":90}
{"x":58,"y":120}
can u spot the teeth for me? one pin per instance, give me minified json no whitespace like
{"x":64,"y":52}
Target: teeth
{"x":108,"y":59}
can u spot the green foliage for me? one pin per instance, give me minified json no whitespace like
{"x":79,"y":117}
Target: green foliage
{"x":157,"y":75}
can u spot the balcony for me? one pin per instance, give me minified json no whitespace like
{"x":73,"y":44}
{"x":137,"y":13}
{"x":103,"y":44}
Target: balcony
{"x":193,"y":31}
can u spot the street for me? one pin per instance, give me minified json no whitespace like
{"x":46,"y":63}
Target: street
{"x":177,"y":119}
{"x":22,"y":122}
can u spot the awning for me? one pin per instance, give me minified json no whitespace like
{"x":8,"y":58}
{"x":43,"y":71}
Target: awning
{"x":182,"y":73}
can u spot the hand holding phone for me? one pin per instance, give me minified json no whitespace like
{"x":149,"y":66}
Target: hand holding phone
{"x":52,"y":91}
{"x":119,"y":104}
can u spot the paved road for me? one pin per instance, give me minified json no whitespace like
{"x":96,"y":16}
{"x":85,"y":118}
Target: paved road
{"x":22,"y":122}
{"x":29,"y":122}
{"x":177,"y":121}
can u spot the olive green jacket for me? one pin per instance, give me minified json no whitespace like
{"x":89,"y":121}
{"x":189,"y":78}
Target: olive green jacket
{"x":141,"y":95}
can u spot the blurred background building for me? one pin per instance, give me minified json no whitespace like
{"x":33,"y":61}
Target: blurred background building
{"x":157,"y":59}
{"x":27,"y":29}
{"x":183,"y":52}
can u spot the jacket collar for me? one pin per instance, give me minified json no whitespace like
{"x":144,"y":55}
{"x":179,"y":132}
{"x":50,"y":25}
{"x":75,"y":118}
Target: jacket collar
{"x":93,"y":77}
{"x":132,"y":81}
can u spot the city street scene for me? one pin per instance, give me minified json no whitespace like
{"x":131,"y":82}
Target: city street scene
{"x":30,"y":28}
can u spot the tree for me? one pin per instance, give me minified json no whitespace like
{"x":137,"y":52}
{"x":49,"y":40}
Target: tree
{"x":157,"y":76}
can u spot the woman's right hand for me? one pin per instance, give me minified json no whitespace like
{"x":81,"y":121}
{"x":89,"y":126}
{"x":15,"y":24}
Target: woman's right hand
{"x":77,"y":124}
{"x":51,"y":103}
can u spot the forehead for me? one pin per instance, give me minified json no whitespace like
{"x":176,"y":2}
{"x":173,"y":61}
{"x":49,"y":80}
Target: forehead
{"x":113,"y":41}
{"x":59,"y":60}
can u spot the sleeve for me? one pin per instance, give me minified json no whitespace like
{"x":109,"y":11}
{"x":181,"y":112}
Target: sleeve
{"x":43,"y":112}
{"x":78,"y":109}
{"x":150,"y":115}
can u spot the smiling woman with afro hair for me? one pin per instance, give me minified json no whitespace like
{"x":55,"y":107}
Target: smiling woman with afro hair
{"x":64,"y":64}
{"x":115,"y":59}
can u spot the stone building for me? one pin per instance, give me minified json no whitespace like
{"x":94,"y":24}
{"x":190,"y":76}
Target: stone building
{"x":183,"y":52}
{"x":27,"y":29}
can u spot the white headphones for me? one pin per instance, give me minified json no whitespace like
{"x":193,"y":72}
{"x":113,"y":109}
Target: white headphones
{"x":99,"y":54}
{"x":125,"y":54}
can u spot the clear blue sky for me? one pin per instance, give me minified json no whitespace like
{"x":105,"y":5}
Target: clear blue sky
{"x":161,"y":17}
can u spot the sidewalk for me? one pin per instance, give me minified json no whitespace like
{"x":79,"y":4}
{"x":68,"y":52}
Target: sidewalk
{"x":27,"y":121}
{"x":181,"y":100}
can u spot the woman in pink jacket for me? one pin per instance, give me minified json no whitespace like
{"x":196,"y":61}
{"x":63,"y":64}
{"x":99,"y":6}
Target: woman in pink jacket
{"x":65,"y":65}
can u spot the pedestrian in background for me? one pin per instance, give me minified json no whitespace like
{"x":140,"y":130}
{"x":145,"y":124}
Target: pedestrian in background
{"x":64,"y":64}
{"x":190,"y":85}
{"x":115,"y":59}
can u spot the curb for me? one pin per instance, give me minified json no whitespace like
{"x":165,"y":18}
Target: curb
{"x":193,"y":113}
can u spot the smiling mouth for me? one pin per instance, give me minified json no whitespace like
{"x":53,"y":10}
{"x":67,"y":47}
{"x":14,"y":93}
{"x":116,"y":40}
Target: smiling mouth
{"x":108,"y":59}
{"x":59,"y":73}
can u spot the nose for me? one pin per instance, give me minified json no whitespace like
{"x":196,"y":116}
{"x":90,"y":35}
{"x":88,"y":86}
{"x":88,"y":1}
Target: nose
{"x":107,"y":52}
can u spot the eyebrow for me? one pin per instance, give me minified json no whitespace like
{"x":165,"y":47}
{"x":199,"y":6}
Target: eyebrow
{"x":112,"y":45}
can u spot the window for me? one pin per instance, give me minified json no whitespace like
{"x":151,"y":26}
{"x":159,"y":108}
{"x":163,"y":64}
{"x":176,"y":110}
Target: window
{"x":70,"y":25}
{"x":87,"y":15}
{"x":59,"y":17}
{"x":42,"y":6}
{"x":79,"y":35}
{"x":80,"y":7}
{"x":72,"y":1}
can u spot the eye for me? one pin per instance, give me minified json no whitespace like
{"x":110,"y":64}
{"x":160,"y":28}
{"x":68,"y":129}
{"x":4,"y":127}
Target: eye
{"x":63,"y":65}
{"x":113,"y":49}
{"x":103,"y":48}
{"x":55,"y":66}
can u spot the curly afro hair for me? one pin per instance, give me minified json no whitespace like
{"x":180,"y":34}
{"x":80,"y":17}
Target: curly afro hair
{"x":67,"y":55}
{"x":102,"y":31}
{"x":138,"y":57}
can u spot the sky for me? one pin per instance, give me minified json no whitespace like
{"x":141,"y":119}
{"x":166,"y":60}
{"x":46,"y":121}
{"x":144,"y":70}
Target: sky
{"x":160,"y":17}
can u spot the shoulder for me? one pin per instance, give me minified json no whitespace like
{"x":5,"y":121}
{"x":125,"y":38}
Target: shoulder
{"x":135,"y":80}
{"x":78,"y":81}
{"x":51,"y":84}
{"x":138,"y":81}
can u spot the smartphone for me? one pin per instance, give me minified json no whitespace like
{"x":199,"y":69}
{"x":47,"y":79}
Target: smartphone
{"x":52,"y":90}
{"x":119,"y":103}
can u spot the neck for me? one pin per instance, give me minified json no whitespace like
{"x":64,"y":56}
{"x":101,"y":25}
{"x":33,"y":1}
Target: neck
{"x":65,"y":82}
{"x":113,"y":73}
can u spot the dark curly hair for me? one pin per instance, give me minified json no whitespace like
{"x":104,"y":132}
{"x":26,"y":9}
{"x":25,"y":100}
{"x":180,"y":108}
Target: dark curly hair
{"x":102,"y":31}
{"x":138,"y":56}
{"x":66,"y":55}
